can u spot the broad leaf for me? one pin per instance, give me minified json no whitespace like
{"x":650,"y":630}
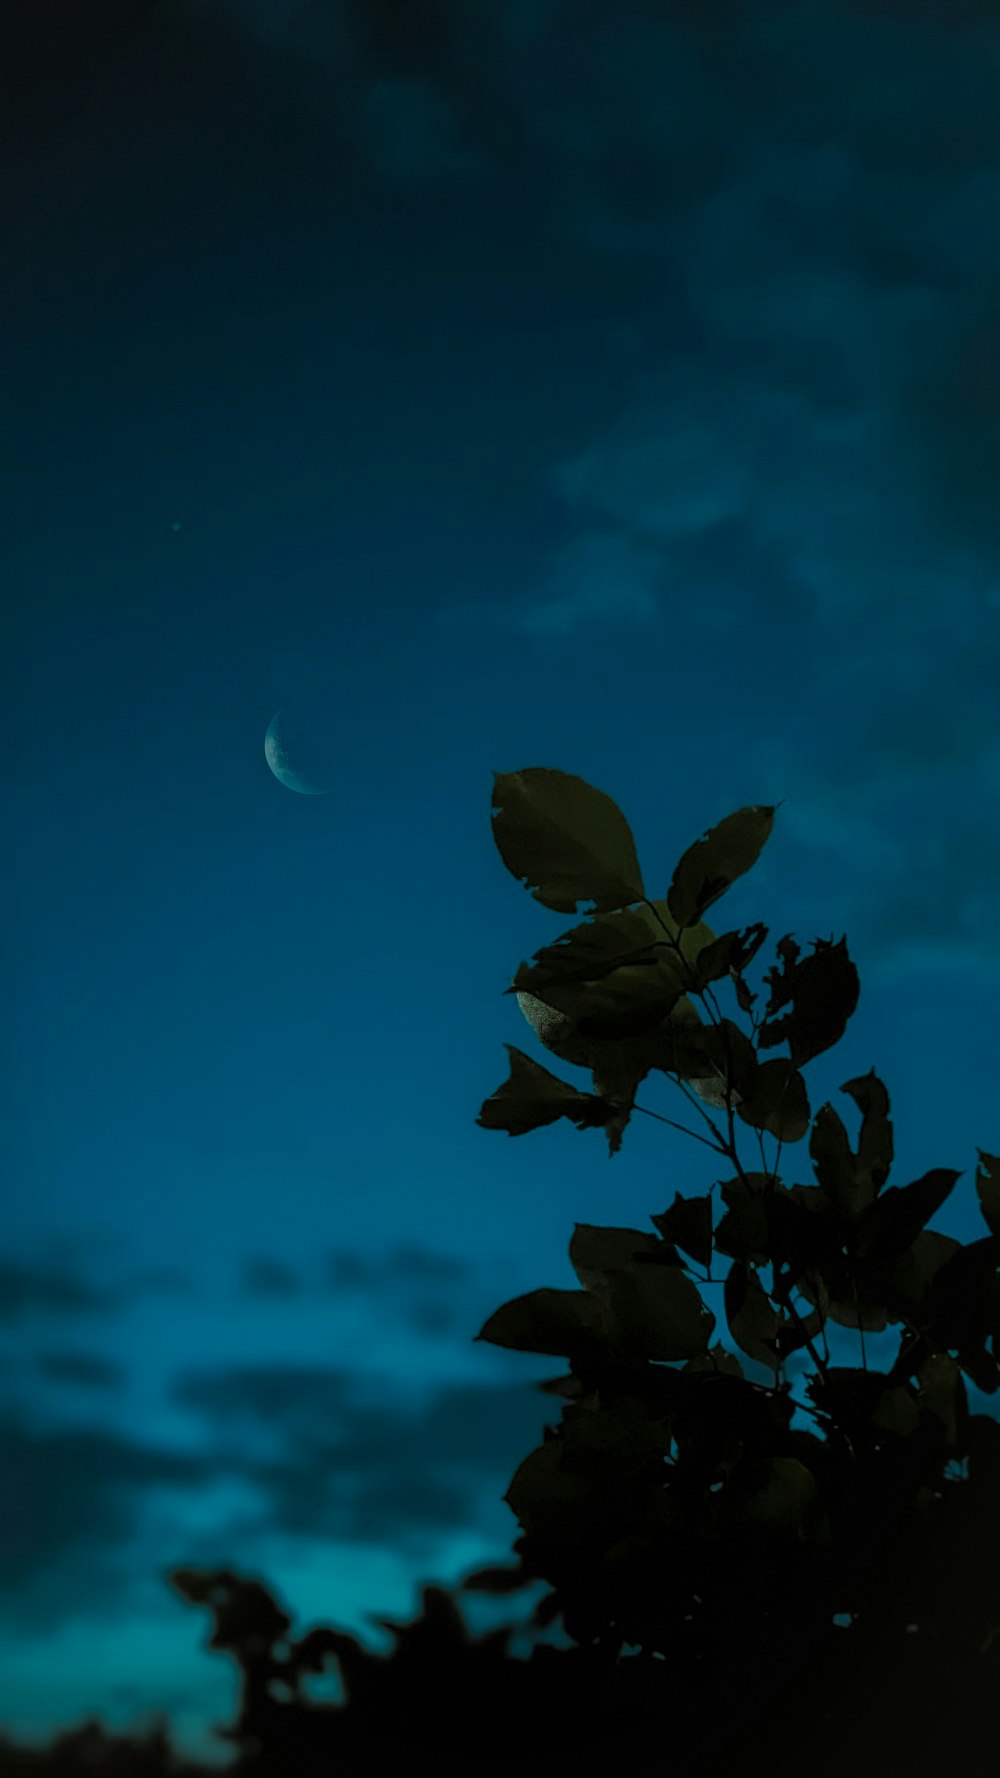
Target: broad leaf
{"x":725,"y":853}
{"x":595,"y":1250}
{"x":642,"y":938}
{"x":688,"y":1222}
{"x":743,"y":1232}
{"x":888,"y":1226}
{"x":776,"y":1101}
{"x":988,"y":1189}
{"x":728,"y":955}
{"x":531,"y":1097}
{"x":784,"y":1495}
{"x":824,"y":992}
{"x":875,"y":1141}
{"x":560,"y":1322}
{"x":550,"y":1501}
{"x":567,"y":842}
{"x":835,"y":1166}
{"x":753,"y":1322}
{"x":658,"y":1313}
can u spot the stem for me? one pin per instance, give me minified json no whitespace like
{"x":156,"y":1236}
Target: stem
{"x":781,"y":1291}
{"x":857,"y":1311}
{"x":717,"y":1147}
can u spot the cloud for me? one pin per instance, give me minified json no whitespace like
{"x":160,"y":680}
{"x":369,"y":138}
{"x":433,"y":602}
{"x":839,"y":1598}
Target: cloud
{"x":26,"y":1290}
{"x":411,"y":1263}
{"x":597,"y":577}
{"x":406,"y":1263}
{"x":339,"y":1464}
{"x":81,"y":1369}
{"x":269,"y":1278}
{"x":319,"y":1453}
{"x":413,"y":136}
{"x":70,"y":1502}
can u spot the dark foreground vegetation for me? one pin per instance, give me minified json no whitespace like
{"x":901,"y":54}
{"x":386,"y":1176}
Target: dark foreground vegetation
{"x":740,"y":1596}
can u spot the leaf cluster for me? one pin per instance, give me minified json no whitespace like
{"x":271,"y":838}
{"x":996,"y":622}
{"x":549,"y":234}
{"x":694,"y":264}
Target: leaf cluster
{"x":675,"y":1508}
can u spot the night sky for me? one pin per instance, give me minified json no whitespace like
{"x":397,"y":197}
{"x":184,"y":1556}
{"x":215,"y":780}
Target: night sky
{"x":609,"y":385}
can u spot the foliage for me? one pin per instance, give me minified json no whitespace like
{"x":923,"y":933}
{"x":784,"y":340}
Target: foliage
{"x":675,"y":1508}
{"x":675,"y":1511}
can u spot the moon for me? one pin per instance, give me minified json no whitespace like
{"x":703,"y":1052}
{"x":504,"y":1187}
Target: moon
{"x":276,"y":754}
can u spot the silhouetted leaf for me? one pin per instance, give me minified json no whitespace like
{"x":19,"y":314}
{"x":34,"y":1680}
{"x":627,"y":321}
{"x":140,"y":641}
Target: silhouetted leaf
{"x":960,"y":1308}
{"x":688,"y":1222}
{"x":889,"y":1225}
{"x":782,"y":1494}
{"x":988,"y":1189}
{"x":566,"y":841}
{"x":595,"y":1250}
{"x":776,"y":1101}
{"x":874,"y":1159}
{"x":639,"y":940}
{"x":560,"y":1322}
{"x":724,"y":853}
{"x":728,"y":955}
{"x":743,"y":1233}
{"x":732,"y":1059}
{"x":531,"y":1097}
{"x":753,"y":1322}
{"x":658,"y":1313}
{"x":942,"y":1390}
{"x":617,"y":1067}
{"x":911,"y":1275}
{"x":824,"y":991}
{"x":718,"y":1361}
{"x":834,"y":1164}
{"x":552,"y":1501}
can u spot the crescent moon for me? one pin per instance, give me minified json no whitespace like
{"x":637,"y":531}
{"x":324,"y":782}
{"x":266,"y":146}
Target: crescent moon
{"x":276,"y":755}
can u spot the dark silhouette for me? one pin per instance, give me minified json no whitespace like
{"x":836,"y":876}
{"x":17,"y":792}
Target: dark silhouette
{"x":738,"y":1593}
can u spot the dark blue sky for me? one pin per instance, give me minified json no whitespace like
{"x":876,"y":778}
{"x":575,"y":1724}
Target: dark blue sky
{"x":489,"y":383}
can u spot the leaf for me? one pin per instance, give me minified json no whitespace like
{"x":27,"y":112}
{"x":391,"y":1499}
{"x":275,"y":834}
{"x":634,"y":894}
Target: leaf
{"x":729,"y":955}
{"x":744,"y":1231}
{"x":594,"y":1250}
{"x":785,"y":1495}
{"x":658,"y":1313}
{"x":914,"y":1272}
{"x":548,"y":1501}
{"x":640,"y":938}
{"x":729,"y":1061}
{"x":888,"y":1226}
{"x":753,"y":1322}
{"x":724,"y":853}
{"x":942,"y":1390}
{"x":557,"y":1031}
{"x":834,"y":1164}
{"x":875,"y":1141}
{"x":824,"y":991}
{"x":563,"y":1323}
{"x":566,"y":841}
{"x":776,"y":1101}
{"x":718,"y":1361}
{"x":804,"y":1232}
{"x":532,"y":1097}
{"x":958,"y":1308}
{"x":988,"y":1189}
{"x":688,"y":1222}
{"x":655,"y":1310}
{"x":896,"y":1411}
